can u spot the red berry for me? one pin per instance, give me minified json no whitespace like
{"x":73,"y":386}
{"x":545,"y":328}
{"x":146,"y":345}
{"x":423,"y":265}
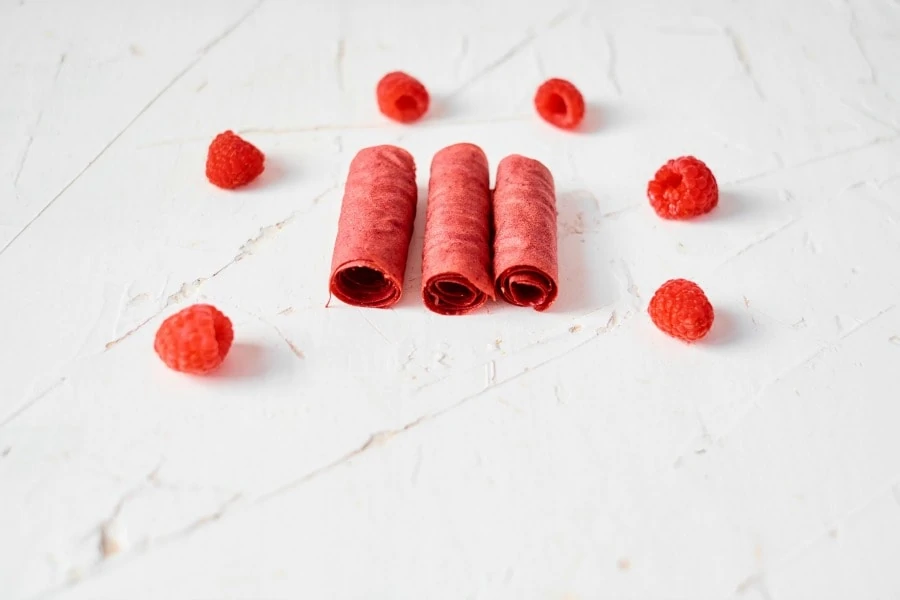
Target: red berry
{"x":560,"y":103}
{"x":680,"y":308}
{"x":683,"y":188}
{"x":194,"y":340}
{"x":402,"y":97}
{"x":232,"y":161}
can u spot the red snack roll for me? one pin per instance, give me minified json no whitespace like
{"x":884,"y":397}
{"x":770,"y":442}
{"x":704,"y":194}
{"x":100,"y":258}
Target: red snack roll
{"x":375,"y":228}
{"x":525,"y":242}
{"x":456,"y":259}
{"x":402,"y":97}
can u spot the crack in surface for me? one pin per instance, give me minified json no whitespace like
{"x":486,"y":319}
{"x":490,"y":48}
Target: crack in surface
{"x":34,"y":400}
{"x":756,"y":580}
{"x":141,"y":548}
{"x":178,"y":77}
{"x":373,"y":326}
{"x":291,"y":345}
{"x":860,"y":45}
{"x":463,"y":54}
{"x":878,"y":141}
{"x":611,"y":73}
{"x":247,"y":248}
{"x":529,"y":38}
{"x":819,"y":352}
{"x":37,"y":124}
{"x":865,"y":111}
{"x":339,"y":63}
{"x":866,"y":322}
{"x":374,"y":440}
{"x":740,"y":54}
{"x":382,"y":437}
{"x":615,"y":214}
{"x":760,"y":240}
{"x":109,"y":543}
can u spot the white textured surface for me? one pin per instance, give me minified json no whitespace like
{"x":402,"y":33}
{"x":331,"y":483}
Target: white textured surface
{"x":344,"y":453}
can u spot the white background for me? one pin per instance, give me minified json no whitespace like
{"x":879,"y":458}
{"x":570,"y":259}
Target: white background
{"x":347,"y":453}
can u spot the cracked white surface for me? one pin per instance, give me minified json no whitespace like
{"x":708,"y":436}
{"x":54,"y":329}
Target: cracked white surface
{"x":348,"y":453}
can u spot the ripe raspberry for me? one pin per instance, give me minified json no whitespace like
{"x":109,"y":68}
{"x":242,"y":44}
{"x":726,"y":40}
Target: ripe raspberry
{"x":560,"y":103}
{"x":194,"y":340}
{"x":680,"y":308}
{"x":402,"y":97}
{"x":232,"y":161}
{"x":683,"y":188}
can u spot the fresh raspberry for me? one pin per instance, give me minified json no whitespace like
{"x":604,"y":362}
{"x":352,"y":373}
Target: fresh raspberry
{"x":560,"y":103}
{"x":194,"y":340}
{"x":232,"y":161}
{"x":683,"y":188}
{"x":680,"y":308}
{"x":402,"y":97}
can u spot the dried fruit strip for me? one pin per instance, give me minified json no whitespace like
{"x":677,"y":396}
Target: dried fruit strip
{"x":375,"y":228}
{"x":456,"y":260}
{"x":525,"y":243}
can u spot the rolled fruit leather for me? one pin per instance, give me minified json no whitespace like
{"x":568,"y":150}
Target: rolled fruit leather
{"x":525,"y":239}
{"x":375,"y":228}
{"x":456,"y":256}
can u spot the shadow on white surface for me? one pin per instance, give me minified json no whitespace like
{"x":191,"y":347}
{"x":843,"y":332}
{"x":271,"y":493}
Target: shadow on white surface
{"x":412,"y":279}
{"x":245,"y":361}
{"x":276,"y":173}
{"x":733,"y":204}
{"x":445,"y":108}
{"x":574,"y":294}
{"x":725,"y":330}
{"x":597,"y":117}
{"x":585,"y":279}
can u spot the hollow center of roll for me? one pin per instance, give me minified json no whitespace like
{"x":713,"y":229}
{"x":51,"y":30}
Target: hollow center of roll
{"x":363,"y":277}
{"x":453,"y":289}
{"x":526,"y":293}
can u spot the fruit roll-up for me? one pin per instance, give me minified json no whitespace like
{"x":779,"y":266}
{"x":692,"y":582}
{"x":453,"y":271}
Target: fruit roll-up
{"x":525,"y":252}
{"x":375,"y":228}
{"x":456,"y":258}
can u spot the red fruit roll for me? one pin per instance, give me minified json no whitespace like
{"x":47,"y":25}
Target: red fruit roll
{"x":402,"y":97}
{"x":375,"y":228}
{"x":456,"y":260}
{"x":525,"y":253}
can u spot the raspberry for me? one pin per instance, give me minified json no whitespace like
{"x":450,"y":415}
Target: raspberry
{"x":560,"y":103}
{"x":194,"y":340}
{"x":401,"y":97}
{"x":232,"y":161}
{"x":680,"y":308}
{"x":683,"y":188}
